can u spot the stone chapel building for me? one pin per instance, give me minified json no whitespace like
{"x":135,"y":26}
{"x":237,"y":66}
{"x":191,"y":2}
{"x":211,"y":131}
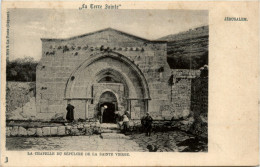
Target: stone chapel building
{"x":112,"y":68}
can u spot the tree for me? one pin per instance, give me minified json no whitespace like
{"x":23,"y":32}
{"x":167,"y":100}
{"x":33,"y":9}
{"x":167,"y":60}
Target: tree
{"x":23,"y":70}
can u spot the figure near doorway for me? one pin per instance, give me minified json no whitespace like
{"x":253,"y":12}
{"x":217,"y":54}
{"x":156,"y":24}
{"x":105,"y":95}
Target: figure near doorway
{"x":107,"y":113}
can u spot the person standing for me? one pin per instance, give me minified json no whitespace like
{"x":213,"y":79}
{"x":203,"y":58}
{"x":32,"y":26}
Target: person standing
{"x":148,"y":120}
{"x":70,"y":112}
{"x":117,"y":117}
{"x":101,"y":112}
{"x":125,"y":123}
{"x":127,"y":114}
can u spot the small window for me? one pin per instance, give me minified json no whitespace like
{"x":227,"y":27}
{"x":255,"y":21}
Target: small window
{"x":108,"y":79}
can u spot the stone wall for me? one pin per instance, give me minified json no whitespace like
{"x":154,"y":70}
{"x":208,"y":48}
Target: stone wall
{"x":68,"y":130}
{"x":40,"y":129}
{"x":180,"y":95}
{"x":60,"y":58}
{"x":90,"y":128}
{"x":72,"y":68}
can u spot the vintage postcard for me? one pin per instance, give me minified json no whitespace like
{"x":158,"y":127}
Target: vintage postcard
{"x":129,"y":83}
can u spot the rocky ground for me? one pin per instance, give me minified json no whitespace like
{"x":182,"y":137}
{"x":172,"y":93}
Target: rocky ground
{"x":171,"y":141}
{"x":73,"y":143}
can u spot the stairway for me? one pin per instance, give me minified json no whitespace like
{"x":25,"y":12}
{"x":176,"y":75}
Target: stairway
{"x":111,"y":131}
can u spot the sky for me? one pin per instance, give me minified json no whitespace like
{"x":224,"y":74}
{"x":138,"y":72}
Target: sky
{"x":28,"y":26}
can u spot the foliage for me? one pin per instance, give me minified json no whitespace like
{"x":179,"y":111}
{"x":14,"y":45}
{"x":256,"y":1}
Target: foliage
{"x":188,"y":61}
{"x":21,"y":70}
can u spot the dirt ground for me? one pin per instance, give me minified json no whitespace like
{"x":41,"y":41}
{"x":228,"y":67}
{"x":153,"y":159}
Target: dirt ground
{"x":172,"y":141}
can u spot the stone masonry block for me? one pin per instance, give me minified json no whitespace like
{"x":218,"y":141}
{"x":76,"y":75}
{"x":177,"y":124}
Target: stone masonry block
{"x":61,"y":130}
{"x":68,"y":129}
{"x":54,"y":130}
{"x":14,"y":131}
{"x":39,"y":132}
{"x":46,"y":131}
{"x":8,"y":131}
{"x":31,"y":131}
{"x":22,"y":131}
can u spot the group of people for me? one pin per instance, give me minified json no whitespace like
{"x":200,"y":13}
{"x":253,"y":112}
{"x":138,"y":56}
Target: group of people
{"x":122,"y":120}
{"x":146,"y":122}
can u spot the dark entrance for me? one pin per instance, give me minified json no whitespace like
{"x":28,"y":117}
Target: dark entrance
{"x":109,"y":112}
{"x":109,"y":100}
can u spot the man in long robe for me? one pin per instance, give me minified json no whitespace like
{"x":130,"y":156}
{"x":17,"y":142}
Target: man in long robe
{"x":148,"y":121}
{"x":70,"y":112}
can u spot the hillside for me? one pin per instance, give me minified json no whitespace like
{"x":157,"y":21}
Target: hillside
{"x":188,"y":49}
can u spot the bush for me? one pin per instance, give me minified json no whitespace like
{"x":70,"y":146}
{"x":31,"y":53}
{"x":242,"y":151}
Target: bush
{"x":23,"y":70}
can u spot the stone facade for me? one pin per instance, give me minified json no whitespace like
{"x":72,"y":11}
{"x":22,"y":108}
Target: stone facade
{"x":110,"y":67}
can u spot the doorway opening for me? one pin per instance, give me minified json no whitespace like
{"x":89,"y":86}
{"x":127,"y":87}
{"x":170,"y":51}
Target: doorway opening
{"x":109,"y":112}
{"x":109,"y":100}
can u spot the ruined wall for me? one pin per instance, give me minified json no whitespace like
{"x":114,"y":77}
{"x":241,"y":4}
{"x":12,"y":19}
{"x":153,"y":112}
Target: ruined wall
{"x":181,"y":89}
{"x":188,"y":109}
{"x":179,"y":103}
{"x":18,"y":93}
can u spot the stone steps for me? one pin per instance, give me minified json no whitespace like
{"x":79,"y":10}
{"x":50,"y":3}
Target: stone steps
{"x":114,"y":136}
{"x":110,"y":131}
{"x":109,"y":126}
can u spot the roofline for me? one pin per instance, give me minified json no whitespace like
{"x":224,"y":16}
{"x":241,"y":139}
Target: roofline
{"x":99,"y":31}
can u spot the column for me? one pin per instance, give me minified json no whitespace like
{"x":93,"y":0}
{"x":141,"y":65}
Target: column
{"x":86,"y":110}
{"x":146,"y":105}
{"x":130,"y":107}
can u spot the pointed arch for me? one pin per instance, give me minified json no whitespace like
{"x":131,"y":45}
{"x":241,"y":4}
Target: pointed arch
{"x":114,"y":55}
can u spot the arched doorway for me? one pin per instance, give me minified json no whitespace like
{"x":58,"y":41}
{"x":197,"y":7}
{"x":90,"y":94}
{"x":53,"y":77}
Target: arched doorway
{"x":109,"y":101}
{"x":115,"y":73}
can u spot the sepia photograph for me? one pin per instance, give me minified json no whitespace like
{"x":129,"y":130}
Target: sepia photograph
{"x":123,"y":80}
{"x":129,"y":83}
